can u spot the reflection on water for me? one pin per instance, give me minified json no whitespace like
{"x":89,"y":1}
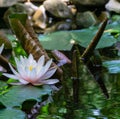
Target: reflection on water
{"x":92,"y":103}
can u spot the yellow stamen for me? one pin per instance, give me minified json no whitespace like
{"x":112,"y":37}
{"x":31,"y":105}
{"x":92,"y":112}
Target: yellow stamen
{"x":30,"y":68}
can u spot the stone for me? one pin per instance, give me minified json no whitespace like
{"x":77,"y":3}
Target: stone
{"x":61,"y":25}
{"x":58,"y":8}
{"x":86,"y":19}
{"x":7,"y":3}
{"x":113,"y":5}
{"x":30,"y":8}
{"x":40,"y":18}
{"x":90,"y":2}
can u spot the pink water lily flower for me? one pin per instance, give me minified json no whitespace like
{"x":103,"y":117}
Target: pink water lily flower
{"x":32,"y":71}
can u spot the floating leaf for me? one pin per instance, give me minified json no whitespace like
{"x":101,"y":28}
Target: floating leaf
{"x":112,"y":66}
{"x":11,"y":114}
{"x":62,"y":40}
{"x":57,"y":40}
{"x":18,"y":94}
{"x":113,"y":27}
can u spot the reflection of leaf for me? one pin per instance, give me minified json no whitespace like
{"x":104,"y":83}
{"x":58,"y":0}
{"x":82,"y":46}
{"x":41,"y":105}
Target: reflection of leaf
{"x":18,"y":94}
{"x":11,"y":114}
{"x":62,"y":40}
{"x":112,"y":66}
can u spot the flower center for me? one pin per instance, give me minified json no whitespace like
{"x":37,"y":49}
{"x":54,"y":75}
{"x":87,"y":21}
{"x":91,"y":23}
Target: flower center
{"x":30,"y":68}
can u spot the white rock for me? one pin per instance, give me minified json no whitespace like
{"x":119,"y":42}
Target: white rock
{"x":40,"y":17}
{"x":113,"y":5}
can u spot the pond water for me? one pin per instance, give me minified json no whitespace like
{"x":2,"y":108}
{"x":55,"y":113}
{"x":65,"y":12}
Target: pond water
{"x":89,"y":102}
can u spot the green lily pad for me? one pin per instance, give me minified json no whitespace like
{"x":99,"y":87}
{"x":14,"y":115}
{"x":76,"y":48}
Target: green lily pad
{"x":62,"y":40}
{"x":57,"y":40}
{"x":18,"y":94}
{"x":113,"y":27}
{"x":84,"y":37}
{"x":2,"y":84}
{"x":112,"y":66}
{"x":9,"y":113}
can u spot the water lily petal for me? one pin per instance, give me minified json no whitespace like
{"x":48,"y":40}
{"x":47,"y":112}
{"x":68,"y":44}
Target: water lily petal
{"x":17,"y":83}
{"x":10,"y":76}
{"x":45,"y":68}
{"x":49,"y":73}
{"x":32,"y":76}
{"x":31,"y":60}
{"x":48,"y":63}
{"x":15,"y":77}
{"x":23,"y":81}
{"x":31,"y":71}
{"x":50,"y":81}
{"x":40,"y":64}
{"x":13,"y":70}
{"x":41,"y":60}
{"x":30,"y":57}
{"x":21,"y":70}
{"x":18,"y":63}
{"x":23,"y":60}
{"x":18,"y":76}
{"x":2,"y":69}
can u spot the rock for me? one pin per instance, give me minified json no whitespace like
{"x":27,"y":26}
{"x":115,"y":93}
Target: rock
{"x":58,"y":8}
{"x":40,"y":18}
{"x":113,"y":5}
{"x":30,"y":8}
{"x":61,"y":25}
{"x":90,"y":2}
{"x":7,"y":3}
{"x":86,"y":19}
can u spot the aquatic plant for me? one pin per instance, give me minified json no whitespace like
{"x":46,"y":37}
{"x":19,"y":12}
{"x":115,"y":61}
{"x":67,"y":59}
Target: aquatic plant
{"x":30,"y":71}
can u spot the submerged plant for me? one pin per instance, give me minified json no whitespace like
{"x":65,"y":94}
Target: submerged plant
{"x":31,"y":71}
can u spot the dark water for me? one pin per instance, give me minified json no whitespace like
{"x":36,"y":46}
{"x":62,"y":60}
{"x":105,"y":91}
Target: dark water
{"x":89,"y":102}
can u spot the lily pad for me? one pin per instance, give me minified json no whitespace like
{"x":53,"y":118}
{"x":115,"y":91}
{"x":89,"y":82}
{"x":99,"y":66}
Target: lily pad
{"x":9,"y":113}
{"x":18,"y":94}
{"x":62,"y":40}
{"x":112,"y":66}
{"x":57,"y":40}
{"x":113,"y":27}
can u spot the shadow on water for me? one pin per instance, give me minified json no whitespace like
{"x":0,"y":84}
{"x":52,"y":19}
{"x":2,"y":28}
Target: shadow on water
{"x":91,"y":104}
